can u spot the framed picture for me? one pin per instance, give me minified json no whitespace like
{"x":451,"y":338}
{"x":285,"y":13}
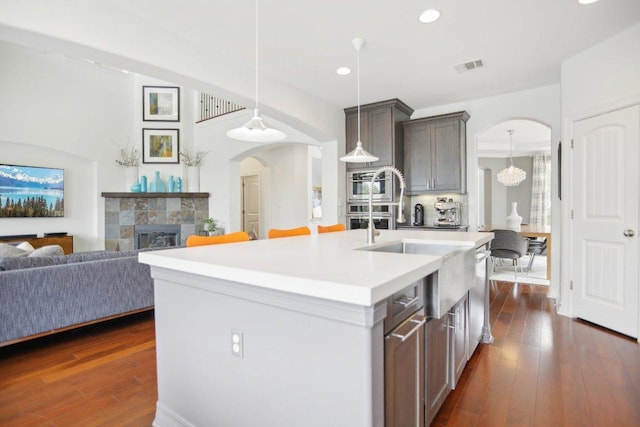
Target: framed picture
{"x":160,"y":104}
{"x":160,"y":146}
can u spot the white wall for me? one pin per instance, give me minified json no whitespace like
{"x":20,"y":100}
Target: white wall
{"x":498,"y":191}
{"x":603,"y":78}
{"x":64,"y":113}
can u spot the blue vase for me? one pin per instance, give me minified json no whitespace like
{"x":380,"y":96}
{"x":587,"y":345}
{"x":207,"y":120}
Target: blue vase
{"x":172,"y":184}
{"x":143,"y":184}
{"x":179,"y":185}
{"x":157,"y":185}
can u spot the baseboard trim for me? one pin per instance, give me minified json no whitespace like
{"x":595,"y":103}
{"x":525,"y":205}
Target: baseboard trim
{"x":165,"y":417}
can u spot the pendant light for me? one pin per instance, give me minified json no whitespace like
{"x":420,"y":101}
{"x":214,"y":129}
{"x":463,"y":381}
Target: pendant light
{"x":359,"y":155}
{"x":511,"y":176}
{"x":255,"y":130}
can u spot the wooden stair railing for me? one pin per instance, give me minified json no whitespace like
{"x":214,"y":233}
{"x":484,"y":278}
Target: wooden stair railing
{"x":213,"y":106}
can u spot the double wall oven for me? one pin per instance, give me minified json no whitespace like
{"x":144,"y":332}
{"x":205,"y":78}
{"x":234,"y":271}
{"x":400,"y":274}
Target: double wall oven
{"x":358,"y":185}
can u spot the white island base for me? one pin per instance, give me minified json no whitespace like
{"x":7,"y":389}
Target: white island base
{"x":311,"y":349}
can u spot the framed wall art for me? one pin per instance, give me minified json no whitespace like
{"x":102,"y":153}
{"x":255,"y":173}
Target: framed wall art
{"x":160,"y":104}
{"x":160,"y":146}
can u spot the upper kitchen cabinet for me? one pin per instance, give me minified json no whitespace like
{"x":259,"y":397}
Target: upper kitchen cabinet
{"x":435,"y":152}
{"x":380,"y":132}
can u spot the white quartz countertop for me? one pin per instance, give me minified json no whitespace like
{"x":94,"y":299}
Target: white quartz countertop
{"x":332,"y":266}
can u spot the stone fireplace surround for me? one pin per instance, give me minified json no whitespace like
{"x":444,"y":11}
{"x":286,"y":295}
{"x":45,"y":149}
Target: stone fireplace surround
{"x":123,"y":211}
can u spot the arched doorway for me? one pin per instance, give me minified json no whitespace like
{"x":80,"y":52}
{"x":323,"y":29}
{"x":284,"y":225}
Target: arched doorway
{"x":527,"y":147}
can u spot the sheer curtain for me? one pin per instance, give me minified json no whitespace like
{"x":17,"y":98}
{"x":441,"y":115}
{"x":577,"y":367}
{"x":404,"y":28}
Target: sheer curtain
{"x":541,"y":190}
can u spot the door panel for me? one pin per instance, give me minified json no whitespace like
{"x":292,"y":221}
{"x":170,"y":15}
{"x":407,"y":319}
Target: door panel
{"x":251,"y":204}
{"x":605,"y":204}
{"x":446,"y":152}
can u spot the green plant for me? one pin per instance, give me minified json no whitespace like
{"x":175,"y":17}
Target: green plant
{"x":210,"y":224}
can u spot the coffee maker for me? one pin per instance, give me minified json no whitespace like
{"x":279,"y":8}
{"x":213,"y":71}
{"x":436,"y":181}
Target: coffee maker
{"x":418,"y":215}
{"x":447,"y":213}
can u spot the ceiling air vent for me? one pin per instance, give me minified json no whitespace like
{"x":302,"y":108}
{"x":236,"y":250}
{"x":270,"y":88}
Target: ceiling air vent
{"x":468,"y":66}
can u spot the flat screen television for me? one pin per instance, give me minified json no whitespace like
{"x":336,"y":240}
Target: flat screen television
{"x":27,"y":191}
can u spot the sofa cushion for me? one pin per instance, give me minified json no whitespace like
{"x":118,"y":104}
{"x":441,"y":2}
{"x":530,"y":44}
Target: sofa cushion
{"x":7,"y":250}
{"x":18,"y":263}
{"x":100,"y":255}
{"x":49,"y":250}
{"x":25,"y":246}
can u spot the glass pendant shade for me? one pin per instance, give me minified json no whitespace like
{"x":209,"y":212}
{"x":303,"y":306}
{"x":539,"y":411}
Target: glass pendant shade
{"x":511,"y":176}
{"x":255,"y":130}
{"x":359,"y":155}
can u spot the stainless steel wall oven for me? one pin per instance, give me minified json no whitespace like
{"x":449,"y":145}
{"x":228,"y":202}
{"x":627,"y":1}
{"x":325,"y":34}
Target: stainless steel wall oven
{"x":359,"y":182}
{"x":383,"y":216}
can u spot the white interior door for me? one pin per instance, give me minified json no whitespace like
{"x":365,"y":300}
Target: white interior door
{"x":605,"y":220}
{"x":251,"y":204}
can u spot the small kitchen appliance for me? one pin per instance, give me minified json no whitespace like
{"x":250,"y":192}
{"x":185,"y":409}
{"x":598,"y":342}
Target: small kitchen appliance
{"x":418,"y":215}
{"x":447,"y":213}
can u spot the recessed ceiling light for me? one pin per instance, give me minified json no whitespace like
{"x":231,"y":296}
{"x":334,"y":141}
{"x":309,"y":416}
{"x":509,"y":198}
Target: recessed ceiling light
{"x":587,"y":1}
{"x":343,"y":71}
{"x":429,"y":16}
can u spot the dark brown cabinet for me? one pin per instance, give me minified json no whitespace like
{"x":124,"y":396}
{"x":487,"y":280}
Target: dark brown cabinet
{"x":405,"y":373}
{"x":435,"y":151}
{"x":380,"y":132}
{"x":458,"y":328}
{"x":437,"y":365}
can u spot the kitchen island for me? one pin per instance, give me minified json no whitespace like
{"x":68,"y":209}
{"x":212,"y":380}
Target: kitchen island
{"x":282,"y":332}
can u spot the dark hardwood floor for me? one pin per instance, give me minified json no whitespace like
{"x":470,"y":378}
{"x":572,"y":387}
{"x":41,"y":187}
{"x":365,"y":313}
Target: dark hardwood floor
{"x":542,"y":370}
{"x":545,"y":370}
{"x":99,"y":375}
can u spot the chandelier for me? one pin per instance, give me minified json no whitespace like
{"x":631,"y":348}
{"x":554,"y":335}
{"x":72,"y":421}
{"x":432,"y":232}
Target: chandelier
{"x":511,"y":176}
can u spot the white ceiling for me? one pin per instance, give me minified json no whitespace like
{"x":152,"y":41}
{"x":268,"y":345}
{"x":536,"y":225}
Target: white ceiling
{"x":521,"y":42}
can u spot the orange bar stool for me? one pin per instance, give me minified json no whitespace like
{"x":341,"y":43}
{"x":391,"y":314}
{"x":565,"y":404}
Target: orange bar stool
{"x":238,"y":236}
{"x":289,"y":232}
{"x":331,"y":228}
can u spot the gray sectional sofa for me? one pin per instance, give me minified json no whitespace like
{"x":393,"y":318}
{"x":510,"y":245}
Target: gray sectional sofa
{"x":40,"y":295}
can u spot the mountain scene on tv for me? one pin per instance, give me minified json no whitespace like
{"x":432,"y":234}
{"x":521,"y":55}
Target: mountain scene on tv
{"x":31,"y":192}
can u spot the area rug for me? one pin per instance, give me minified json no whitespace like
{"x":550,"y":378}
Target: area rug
{"x":537,"y":275}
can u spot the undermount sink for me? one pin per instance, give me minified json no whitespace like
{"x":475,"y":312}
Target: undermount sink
{"x":435,"y":249}
{"x":450,"y":282}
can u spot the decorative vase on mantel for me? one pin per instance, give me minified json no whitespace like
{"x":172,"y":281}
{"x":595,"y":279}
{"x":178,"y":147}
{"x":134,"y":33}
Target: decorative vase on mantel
{"x":130,"y":177}
{"x":157,"y":185}
{"x":514,"y":221}
{"x":193,"y":179}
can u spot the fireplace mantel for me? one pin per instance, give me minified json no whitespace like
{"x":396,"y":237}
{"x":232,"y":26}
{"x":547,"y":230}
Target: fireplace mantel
{"x":155,"y":195}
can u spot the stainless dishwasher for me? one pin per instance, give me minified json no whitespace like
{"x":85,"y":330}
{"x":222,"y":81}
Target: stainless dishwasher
{"x":404,"y":357}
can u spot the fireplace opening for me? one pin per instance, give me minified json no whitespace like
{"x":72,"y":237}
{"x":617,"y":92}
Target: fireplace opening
{"x":157,"y":236}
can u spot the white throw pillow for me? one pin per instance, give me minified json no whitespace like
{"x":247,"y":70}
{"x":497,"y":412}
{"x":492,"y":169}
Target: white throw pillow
{"x":10,"y":250}
{"x":26,"y":246}
{"x":49,"y":250}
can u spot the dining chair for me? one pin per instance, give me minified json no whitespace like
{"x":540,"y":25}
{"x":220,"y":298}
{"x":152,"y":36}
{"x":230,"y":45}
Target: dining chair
{"x":535,"y":247}
{"x":238,"y":236}
{"x":508,"y":244}
{"x":288,"y":232}
{"x":331,"y":228}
